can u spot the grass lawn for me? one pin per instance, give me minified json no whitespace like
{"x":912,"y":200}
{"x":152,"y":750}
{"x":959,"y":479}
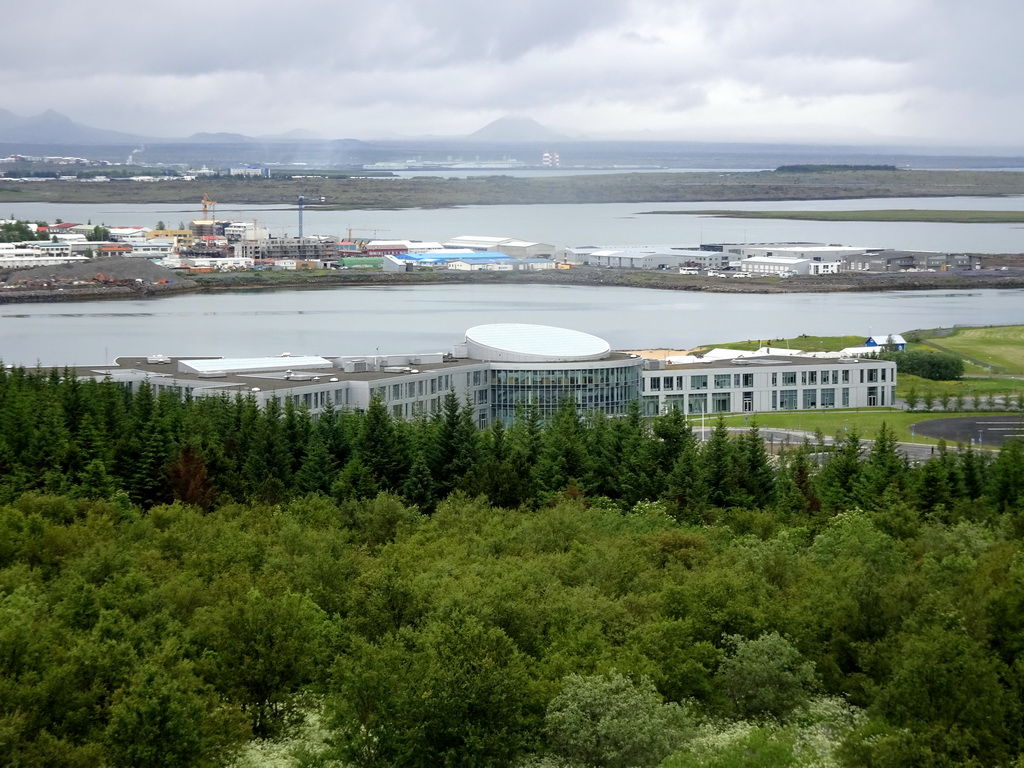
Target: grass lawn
{"x":965,"y":387}
{"x":1001,"y":347}
{"x":803,"y":343}
{"x":949,"y":217}
{"x":832,"y":423}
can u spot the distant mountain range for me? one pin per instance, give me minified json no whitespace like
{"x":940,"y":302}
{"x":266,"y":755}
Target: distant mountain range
{"x":52,"y":133}
{"x":54,"y":128}
{"x":51,"y":127}
{"x":516,"y":129}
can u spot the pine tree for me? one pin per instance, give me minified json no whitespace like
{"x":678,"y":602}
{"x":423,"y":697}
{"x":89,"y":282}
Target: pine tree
{"x":188,"y":479}
{"x":885,"y":468}
{"x":419,"y":487}
{"x":563,"y":457}
{"x":756,"y":476}
{"x":838,"y":480}
{"x":379,"y":447}
{"x":318,"y":468}
{"x":455,"y":446}
{"x":685,"y":487}
{"x":796,"y":493}
{"x":719,"y":467}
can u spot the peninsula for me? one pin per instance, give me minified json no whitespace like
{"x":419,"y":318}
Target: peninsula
{"x":390,"y":192}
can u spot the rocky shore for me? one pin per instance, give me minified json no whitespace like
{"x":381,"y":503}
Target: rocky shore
{"x":139,"y":278}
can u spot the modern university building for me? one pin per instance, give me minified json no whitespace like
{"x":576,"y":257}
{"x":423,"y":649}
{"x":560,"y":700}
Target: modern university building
{"x":499,"y":368}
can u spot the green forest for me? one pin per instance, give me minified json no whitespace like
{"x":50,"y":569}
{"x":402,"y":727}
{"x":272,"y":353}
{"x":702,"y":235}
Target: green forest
{"x":210,"y":583}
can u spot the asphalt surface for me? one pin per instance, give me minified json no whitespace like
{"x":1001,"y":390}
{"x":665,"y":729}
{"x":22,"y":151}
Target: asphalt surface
{"x":991,"y":431}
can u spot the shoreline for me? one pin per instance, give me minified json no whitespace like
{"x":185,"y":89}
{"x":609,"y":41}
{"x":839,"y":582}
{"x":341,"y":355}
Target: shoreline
{"x":577,"y":276}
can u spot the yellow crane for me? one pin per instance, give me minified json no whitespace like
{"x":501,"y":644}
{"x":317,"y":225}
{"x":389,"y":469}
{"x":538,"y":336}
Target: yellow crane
{"x":208,"y":208}
{"x":364,"y":229}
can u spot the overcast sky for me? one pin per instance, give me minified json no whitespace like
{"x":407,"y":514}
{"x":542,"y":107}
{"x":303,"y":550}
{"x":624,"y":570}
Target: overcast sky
{"x":859,"y":71}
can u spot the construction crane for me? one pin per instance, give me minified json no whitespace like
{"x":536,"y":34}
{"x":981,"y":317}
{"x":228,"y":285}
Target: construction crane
{"x":208,"y":208}
{"x":364,"y":229}
{"x":302,"y":203}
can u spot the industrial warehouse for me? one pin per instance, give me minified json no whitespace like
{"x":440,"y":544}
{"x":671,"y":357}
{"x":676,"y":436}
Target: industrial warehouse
{"x":501,"y":368}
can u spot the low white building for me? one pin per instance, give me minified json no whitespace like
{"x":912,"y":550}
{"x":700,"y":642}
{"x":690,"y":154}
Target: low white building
{"x":499,"y":263}
{"x":220,"y":263}
{"x":645,"y":257}
{"x":237,"y":231}
{"x":128,"y":234}
{"x":785,"y":265}
{"x":15,"y":256}
{"x":768,"y":383}
{"x":153,"y":249}
{"x":509,"y":246}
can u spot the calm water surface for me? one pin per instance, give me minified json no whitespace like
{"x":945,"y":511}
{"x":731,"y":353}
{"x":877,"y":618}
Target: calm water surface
{"x":343,"y":321}
{"x":592,"y":224}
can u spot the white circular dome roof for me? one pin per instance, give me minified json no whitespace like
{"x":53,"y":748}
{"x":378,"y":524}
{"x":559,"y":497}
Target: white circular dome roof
{"x":521,"y":343}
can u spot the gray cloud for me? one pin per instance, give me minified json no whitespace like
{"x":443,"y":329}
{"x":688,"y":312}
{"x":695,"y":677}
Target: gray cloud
{"x":934,"y":70}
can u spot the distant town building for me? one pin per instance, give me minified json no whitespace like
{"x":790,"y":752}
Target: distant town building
{"x":249,"y":171}
{"x":317,"y":249}
{"x":645,"y":257}
{"x":905,"y":261}
{"x":894,"y":340}
{"x":510,"y":246}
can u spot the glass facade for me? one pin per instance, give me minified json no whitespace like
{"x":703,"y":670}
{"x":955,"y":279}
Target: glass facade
{"x":609,"y":389}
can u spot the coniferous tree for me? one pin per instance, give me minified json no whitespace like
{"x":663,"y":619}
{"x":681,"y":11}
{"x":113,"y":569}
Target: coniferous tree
{"x":149,"y":484}
{"x":563,"y":457}
{"x":972,"y":468}
{"x":1006,"y":483}
{"x":884,"y":468}
{"x":638,"y":475}
{"x":839,"y":478}
{"x":685,"y":486}
{"x":380,"y":449}
{"x":355,"y":481}
{"x":603,"y":446}
{"x":455,"y":446}
{"x":756,"y":476}
{"x":267,"y":468}
{"x":189,"y":480}
{"x":795,"y":487}
{"x":296,"y":427}
{"x":419,"y":488}
{"x":672,"y":432}
{"x":719,"y":467}
{"x":318,"y":468}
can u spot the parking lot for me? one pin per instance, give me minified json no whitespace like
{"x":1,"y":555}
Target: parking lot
{"x":990,"y":431}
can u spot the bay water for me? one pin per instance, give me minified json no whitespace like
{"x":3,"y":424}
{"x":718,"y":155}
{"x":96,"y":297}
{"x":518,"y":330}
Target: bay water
{"x":431,"y":318}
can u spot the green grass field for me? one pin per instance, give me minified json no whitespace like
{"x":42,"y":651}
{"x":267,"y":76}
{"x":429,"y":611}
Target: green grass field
{"x":1001,"y":347}
{"x":965,"y":387}
{"x":929,"y":216}
{"x":803,"y":343}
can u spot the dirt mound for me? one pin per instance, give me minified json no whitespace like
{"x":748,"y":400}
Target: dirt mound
{"x":114,"y":267}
